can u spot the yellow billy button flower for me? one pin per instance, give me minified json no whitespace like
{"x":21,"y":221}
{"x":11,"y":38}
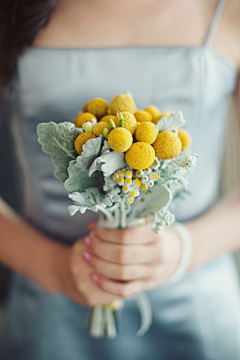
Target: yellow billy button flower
{"x":153,"y":111}
{"x":142,"y":116}
{"x":185,"y":139}
{"x":98,"y":107}
{"x":81,"y":140}
{"x":129,"y":121}
{"x":140,"y":156}
{"x":144,"y":187}
{"x":115,"y":176}
{"x":146,"y":132}
{"x":120,"y":139}
{"x":167,"y":145}
{"x":85,"y":108}
{"x":122,"y":103}
{"x":84,"y":117}
{"x":106,"y":118}
{"x":166,"y":114}
{"x":120,"y":181}
{"x":99,"y":127}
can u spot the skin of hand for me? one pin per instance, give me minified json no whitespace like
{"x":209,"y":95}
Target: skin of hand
{"x":127,"y":261}
{"x":77,"y":279}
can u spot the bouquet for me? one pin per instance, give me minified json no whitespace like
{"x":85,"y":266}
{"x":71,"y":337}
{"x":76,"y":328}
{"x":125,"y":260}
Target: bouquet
{"x":124,"y":164}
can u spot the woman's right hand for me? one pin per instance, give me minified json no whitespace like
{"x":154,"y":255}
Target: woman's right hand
{"x":75,"y":277}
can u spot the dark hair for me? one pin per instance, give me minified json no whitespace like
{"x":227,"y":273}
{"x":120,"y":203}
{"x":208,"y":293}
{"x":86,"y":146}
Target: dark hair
{"x":20,"y":22}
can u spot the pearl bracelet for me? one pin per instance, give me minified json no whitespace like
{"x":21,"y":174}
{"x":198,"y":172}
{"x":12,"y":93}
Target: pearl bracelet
{"x":186,"y":242}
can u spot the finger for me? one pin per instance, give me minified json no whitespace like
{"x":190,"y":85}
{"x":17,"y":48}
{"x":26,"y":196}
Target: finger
{"x":134,"y":235}
{"x":120,"y":272}
{"x":125,"y":254}
{"x":98,"y":295}
{"x":128,"y":288}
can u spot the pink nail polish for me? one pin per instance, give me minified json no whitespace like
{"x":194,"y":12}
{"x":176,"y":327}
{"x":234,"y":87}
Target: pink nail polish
{"x":87,"y":256}
{"x":95,"y":277}
{"x":87,"y":240}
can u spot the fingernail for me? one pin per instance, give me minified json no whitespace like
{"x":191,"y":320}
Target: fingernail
{"x":87,"y":240}
{"x":87,"y":256}
{"x":95,"y":277}
{"x":93,"y":232}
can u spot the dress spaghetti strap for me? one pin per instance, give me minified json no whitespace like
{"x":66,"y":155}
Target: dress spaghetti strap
{"x":215,"y":21}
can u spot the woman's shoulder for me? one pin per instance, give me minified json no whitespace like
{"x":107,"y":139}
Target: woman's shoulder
{"x":227,"y":37}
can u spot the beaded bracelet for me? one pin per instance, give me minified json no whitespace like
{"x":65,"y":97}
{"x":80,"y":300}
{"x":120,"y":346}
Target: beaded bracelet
{"x":186,"y":242}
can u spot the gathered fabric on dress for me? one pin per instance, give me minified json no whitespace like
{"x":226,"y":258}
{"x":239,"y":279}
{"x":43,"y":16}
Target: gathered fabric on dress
{"x":199,"y":316}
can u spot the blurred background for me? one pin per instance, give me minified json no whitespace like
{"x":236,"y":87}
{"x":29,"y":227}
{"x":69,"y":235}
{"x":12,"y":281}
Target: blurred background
{"x":231,"y":176}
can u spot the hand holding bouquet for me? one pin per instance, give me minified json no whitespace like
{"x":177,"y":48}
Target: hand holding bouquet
{"x":123,"y":164}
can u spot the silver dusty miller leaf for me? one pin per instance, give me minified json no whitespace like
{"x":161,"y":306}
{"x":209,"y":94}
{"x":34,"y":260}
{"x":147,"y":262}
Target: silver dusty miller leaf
{"x":174,"y":121}
{"x":58,"y":141}
{"x":108,"y":163}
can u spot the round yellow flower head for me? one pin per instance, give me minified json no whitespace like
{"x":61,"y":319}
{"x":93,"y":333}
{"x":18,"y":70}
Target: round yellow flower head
{"x":142,"y":116}
{"x":98,"y":107}
{"x":85,"y":107}
{"x":82,"y":118}
{"x":185,"y":139}
{"x":106,"y":118}
{"x":153,"y":111}
{"x":167,"y":145}
{"x":122,"y":103}
{"x":99,"y":127}
{"x":130,"y":123}
{"x":120,"y":139}
{"x":146,"y":132}
{"x":81,"y":140}
{"x":140,"y":156}
{"x":166,"y":114}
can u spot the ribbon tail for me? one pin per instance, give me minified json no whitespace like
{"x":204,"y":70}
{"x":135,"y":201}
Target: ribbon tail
{"x":145,"y":309}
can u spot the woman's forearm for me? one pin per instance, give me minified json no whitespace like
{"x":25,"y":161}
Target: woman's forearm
{"x":25,"y":250}
{"x":217,"y":231}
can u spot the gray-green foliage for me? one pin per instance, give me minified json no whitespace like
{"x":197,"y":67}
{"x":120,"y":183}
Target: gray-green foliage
{"x":78,"y":171}
{"x":174,"y":121}
{"x":58,"y":141}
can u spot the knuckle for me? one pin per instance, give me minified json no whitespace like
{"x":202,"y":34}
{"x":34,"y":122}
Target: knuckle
{"x":122,"y":273}
{"x":121,"y":256}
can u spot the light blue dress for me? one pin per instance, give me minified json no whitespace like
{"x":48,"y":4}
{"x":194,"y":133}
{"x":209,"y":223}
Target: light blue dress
{"x":199,"y":316}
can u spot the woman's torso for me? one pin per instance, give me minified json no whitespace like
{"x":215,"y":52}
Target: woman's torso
{"x":54,"y":84}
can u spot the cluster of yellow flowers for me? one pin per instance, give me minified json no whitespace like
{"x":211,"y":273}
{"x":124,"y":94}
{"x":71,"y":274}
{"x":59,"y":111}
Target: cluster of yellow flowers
{"x":129,"y":130}
{"x":133,"y":181}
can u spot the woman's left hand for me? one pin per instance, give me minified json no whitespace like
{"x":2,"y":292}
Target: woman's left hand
{"x":127,"y":261}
